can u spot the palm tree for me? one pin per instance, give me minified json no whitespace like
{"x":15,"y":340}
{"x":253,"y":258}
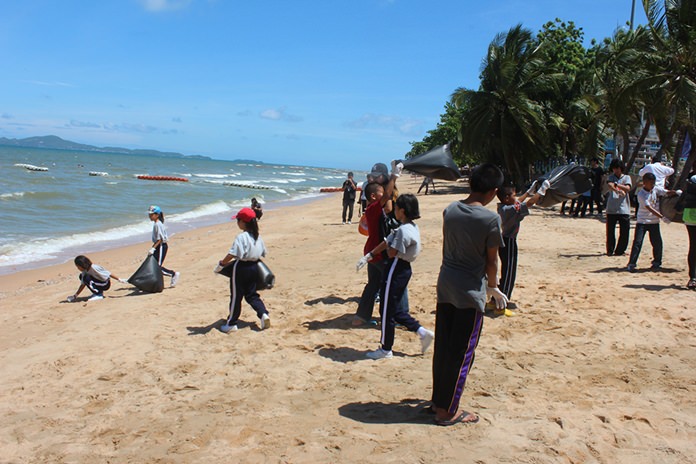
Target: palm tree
{"x":504,"y":122}
{"x":672,"y":24}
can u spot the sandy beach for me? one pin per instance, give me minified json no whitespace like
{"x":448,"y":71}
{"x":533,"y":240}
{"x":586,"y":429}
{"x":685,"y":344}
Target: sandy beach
{"x":598,"y":365}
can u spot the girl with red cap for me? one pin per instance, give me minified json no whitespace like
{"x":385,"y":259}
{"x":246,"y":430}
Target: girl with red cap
{"x":246,"y":251}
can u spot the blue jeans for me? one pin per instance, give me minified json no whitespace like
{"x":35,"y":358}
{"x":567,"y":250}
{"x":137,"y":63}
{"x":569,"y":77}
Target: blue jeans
{"x":655,"y":241}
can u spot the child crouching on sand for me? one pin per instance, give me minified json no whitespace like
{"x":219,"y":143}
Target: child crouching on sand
{"x":403,"y":246}
{"x":94,"y":277}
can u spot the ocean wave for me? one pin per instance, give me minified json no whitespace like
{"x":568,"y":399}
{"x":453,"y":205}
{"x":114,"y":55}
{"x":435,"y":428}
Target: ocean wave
{"x":210,"y":209}
{"x":212,"y":176}
{"x":13,"y":195}
{"x":19,"y":253}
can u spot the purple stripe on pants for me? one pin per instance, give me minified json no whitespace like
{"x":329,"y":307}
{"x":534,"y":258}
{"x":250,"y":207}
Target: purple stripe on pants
{"x":467,"y":362}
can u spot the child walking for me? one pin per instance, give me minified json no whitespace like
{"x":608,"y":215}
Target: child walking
{"x":648,"y":221}
{"x":512,"y":211}
{"x":159,"y":242}
{"x":471,"y":238}
{"x":246,"y":251}
{"x":402,"y":246}
{"x":94,"y":277}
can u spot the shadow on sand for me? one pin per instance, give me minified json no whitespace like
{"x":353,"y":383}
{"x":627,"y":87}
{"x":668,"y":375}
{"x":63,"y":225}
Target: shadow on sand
{"x":408,"y":411}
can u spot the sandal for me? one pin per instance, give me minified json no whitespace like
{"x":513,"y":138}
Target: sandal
{"x":464,"y":418}
{"x":691,"y":285}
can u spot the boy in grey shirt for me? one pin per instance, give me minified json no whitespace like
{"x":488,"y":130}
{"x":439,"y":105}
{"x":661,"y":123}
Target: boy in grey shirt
{"x":471,"y":238}
{"x":618,"y":209}
{"x":511,"y":211}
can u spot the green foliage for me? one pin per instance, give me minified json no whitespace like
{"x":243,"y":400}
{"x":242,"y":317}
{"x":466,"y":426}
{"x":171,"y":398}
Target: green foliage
{"x":547,"y":96}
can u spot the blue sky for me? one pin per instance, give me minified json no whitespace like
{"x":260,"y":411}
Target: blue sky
{"x":335,"y":83}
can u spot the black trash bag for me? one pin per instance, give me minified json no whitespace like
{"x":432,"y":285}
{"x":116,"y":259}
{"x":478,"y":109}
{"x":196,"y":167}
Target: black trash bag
{"x":436,"y":164}
{"x":567,"y":183}
{"x":264,"y":281}
{"x":148,"y":277}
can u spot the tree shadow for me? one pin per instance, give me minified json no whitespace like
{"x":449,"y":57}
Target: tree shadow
{"x":202,"y":330}
{"x":332,"y":299}
{"x":342,"y":322}
{"x":344,"y":354}
{"x":408,"y":411}
{"x":654,"y":287}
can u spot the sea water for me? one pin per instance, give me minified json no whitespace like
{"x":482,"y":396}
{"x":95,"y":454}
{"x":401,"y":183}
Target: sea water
{"x":48,"y":217}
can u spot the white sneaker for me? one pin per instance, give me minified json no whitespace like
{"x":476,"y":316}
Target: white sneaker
{"x":228,"y":328}
{"x":265,"y":322}
{"x":379,"y":353}
{"x":96,"y":297}
{"x":427,"y":340}
{"x":175,"y":279}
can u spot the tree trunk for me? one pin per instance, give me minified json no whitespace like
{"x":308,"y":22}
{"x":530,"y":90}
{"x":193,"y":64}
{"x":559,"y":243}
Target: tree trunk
{"x":681,"y":182}
{"x":624,"y":150}
{"x":639,"y":144}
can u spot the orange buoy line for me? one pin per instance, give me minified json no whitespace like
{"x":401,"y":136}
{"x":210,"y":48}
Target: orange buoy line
{"x":177,"y":179}
{"x":334,"y":189}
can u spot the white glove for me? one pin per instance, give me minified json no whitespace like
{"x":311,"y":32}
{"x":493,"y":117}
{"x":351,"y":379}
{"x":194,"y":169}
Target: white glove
{"x":123,"y":281}
{"x":363,"y":262}
{"x":71,"y":298}
{"x":151,"y":251}
{"x":666,"y":220}
{"x":679,"y":193}
{"x":218,"y":268}
{"x":532,"y":189}
{"x":544,"y":185}
{"x":397,"y":167}
{"x":501,"y":300}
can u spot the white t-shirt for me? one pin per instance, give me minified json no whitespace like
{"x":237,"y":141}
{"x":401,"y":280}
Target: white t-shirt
{"x":661,"y":173}
{"x":98,"y":272}
{"x":245,"y":248}
{"x":159,"y":232}
{"x":650,"y":198}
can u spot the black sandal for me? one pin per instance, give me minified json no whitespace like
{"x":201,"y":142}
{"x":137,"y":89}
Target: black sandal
{"x":691,"y":285}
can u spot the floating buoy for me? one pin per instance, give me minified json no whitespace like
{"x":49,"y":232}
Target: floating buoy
{"x":335,"y":189}
{"x":31,"y":167}
{"x":250,"y":186}
{"x":170,"y":178}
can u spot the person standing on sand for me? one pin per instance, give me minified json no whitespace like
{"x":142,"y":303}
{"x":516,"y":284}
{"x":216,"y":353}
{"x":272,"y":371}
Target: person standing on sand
{"x":402,"y":247}
{"x":471,"y":239}
{"x":248,"y":248}
{"x":689,"y":217}
{"x":159,"y":242}
{"x":379,"y":199}
{"x":618,"y":209}
{"x":659,"y":170}
{"x":349,"y":189}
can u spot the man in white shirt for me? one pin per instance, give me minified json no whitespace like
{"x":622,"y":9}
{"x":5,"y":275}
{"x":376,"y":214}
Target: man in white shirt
{"x":661,"y":171}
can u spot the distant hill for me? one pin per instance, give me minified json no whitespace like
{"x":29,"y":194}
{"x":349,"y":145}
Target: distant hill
{"x":56,"y":143}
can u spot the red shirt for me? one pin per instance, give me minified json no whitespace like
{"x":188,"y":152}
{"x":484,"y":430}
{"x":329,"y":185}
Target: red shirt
{"x":373,"y":214}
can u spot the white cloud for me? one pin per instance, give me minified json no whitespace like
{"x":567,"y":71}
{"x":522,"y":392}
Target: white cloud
{"x":50,"y":84}
{"x":157,"y":6}
{"x":404,"y":126}
{"x":279,"y":114}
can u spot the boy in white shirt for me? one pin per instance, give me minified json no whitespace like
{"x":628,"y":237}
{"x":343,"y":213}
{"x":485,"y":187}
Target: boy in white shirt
{"x":649,"y":216}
